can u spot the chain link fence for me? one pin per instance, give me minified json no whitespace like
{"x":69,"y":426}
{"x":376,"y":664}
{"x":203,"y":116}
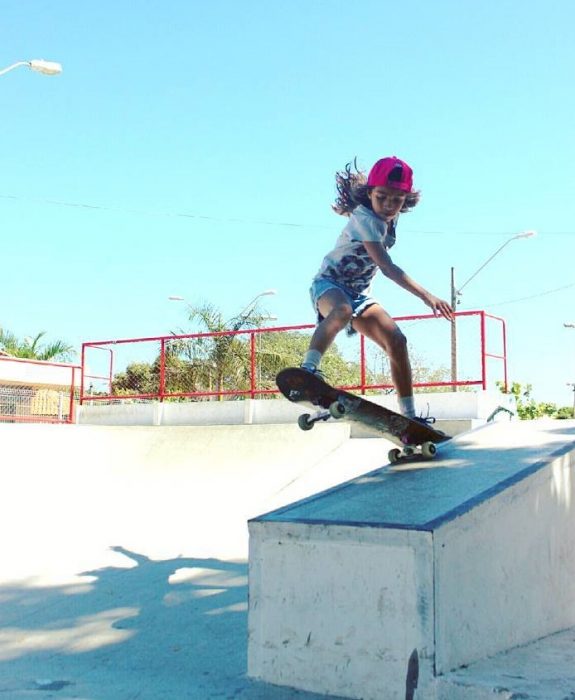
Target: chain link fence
{"x":33,"y":391}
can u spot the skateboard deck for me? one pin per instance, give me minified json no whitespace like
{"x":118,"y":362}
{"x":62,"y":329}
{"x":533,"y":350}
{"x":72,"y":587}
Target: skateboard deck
{"x":411,"y":436}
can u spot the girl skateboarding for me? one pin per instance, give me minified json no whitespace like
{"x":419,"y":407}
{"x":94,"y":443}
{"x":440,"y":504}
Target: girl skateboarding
{"x":340,"y":291}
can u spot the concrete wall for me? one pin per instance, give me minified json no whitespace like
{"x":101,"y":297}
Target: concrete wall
{"x":340,"y":610}
{"x":452,"y":405}
{"x":156,"y":413}
{"x":505,"y":572}
{"x":245,"y":412}
{"x":456,"y":411}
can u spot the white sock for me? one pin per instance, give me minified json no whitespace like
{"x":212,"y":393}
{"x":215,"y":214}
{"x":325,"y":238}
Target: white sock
{"x":406,"y":406}
{"x":312,"y":359}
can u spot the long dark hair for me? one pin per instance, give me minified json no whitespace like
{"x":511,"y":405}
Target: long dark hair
{"x":352,"y":190}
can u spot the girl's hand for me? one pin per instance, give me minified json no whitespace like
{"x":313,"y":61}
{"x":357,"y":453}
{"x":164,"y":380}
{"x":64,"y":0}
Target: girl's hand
{"x":439,"y":307}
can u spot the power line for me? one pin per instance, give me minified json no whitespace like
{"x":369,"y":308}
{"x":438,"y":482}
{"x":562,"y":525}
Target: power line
{"x":147,"y":212}
{"x":533,"y":296}
{"x":201,"y":217}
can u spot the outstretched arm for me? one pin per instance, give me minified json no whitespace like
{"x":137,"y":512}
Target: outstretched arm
{"x":381,"y":257}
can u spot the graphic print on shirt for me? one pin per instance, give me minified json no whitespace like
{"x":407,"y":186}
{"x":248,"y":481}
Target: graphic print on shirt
{"x":355,"y":270}
{"x":348,"y":263}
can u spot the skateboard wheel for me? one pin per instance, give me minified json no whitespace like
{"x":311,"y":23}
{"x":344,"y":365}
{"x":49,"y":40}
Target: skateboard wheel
{"x":394,"y":455}
{"x":304,"y":421}
{"x":428,"y":449}
{"x":337,"y":410}
{"x":408,"y":451}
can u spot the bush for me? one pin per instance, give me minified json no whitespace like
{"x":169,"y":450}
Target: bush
{"x":528,"y":408}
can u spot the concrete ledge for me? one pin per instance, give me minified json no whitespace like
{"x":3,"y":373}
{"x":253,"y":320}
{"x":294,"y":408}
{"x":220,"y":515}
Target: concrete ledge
{"x":446,"y":562}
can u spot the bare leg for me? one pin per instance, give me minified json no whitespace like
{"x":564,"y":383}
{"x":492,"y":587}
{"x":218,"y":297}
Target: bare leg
{"x":377,"y":325}
{"x":334,"y":306}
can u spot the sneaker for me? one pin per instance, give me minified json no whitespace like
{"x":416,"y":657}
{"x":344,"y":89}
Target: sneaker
{"x":315,"y":371}
{"x":429,"y":421}
{"x":426,"y":420}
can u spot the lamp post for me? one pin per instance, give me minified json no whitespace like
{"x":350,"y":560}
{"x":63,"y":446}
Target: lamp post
{"x":571,"y":325}
{"x":37,"y":65}
{"x":456,"y":294}
{"x":246,"y":311}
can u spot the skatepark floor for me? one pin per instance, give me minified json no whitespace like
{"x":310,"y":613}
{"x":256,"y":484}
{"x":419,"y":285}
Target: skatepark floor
{"x":123,"y":573}
{"x":123,"y":568}
{"x":137,"y":628}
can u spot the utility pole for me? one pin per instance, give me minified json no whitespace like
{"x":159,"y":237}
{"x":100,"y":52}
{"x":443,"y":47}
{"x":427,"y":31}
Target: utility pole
{"x":571,"y":384}
{"x":453,"y":333}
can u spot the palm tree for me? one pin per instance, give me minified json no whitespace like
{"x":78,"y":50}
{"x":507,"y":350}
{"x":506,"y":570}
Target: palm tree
{"x":224,"y":358}
{"x":30,"y":348}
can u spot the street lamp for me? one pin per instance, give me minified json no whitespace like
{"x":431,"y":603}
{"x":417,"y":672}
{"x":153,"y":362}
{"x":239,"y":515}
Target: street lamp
{"x":525,"y":234}
{"x":37,"y":65}
{"x":456,"y":294}
{"x":571,"y":325}
{"x":246,"y":311}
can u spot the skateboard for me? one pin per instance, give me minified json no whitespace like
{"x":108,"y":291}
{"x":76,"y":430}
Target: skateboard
{"x":412,"y":437}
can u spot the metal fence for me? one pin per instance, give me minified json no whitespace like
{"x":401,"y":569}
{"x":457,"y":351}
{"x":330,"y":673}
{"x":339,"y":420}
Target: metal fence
{"x":244,"y":363}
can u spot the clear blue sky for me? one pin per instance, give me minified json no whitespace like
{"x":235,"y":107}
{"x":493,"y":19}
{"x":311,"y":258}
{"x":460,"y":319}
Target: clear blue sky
{"x":189,"y":148}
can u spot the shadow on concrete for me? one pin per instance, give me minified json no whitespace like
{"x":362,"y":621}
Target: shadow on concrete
{"x":144,"y":629}
{"x":561,"y":431}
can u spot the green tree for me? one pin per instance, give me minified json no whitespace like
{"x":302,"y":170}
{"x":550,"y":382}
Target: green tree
{"x":422,"y":373}
{"x":286,"y":349}
{"x":180,"y":376}
{"x":31,"y":348}
{"x":528,"y":408}
{"x":139,"y":378}
{"x":220,"y":362}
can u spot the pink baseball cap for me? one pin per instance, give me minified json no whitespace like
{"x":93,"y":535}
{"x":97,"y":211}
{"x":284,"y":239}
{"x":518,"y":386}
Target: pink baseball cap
{"x":391,"y":172}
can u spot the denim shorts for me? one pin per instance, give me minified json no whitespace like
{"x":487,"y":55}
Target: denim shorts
{"x":359,"y":302}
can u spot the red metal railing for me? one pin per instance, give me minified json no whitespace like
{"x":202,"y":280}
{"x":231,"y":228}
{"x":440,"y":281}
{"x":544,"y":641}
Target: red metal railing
{"x":37,"y":391}
{"x":162,"y":349}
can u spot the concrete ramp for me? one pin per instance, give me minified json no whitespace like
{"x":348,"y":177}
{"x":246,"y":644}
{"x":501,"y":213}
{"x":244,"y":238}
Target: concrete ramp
{"x":69,"y":493}
{"x":385,"y":584}
{"x":123,"y":552}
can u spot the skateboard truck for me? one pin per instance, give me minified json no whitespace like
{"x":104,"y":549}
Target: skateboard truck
{"x":338,"y":410}
{"x":307,"y":420}
{"x":427,"y":449}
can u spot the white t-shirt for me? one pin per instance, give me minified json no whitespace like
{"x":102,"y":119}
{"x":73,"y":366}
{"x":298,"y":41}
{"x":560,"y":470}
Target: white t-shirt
{"x":349,"y":263}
